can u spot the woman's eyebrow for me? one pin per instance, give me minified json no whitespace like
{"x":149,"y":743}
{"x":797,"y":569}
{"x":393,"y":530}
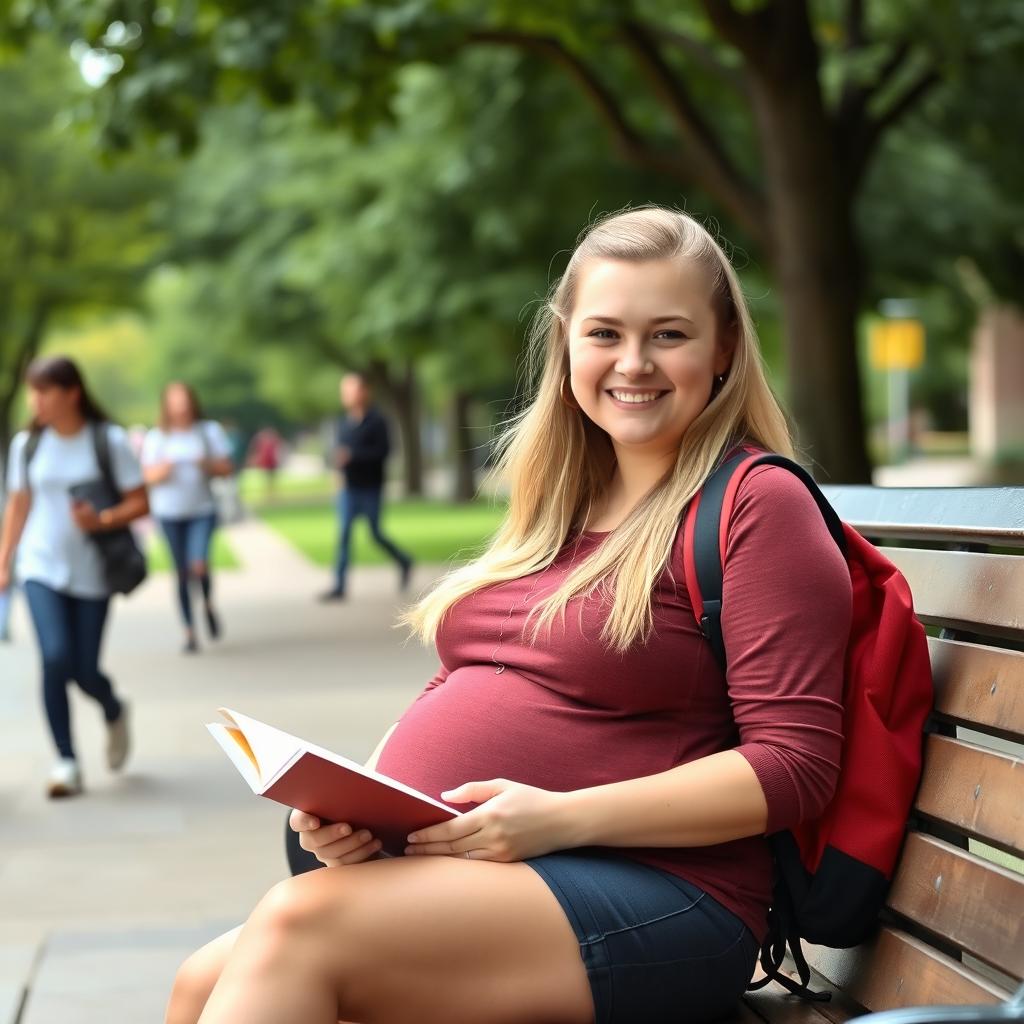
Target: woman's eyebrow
{"x":654,"y":320}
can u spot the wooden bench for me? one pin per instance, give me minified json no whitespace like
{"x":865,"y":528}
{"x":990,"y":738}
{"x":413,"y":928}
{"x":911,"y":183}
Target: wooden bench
{"x":953,"y":931}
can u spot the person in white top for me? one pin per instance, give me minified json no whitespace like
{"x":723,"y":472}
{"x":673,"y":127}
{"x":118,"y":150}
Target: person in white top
{"x":58,"y":562}
{"x":179,"y":458}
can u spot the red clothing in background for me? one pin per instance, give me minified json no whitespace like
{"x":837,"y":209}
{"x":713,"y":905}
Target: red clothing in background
{"x":568,"y":713}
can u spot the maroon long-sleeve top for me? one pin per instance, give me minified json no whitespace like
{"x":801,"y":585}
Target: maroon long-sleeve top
{"x":567,"y":713}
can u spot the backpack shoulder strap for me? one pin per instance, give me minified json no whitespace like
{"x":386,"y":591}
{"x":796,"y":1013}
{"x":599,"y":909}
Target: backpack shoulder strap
{"x":28,"y":453}
{"x":101,"y":445}
{"x":706,"y":534}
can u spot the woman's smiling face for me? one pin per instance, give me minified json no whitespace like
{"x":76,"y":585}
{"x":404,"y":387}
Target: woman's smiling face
{"x":644,"y":350}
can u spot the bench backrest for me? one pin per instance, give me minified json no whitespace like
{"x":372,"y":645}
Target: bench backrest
{"x":954,"y":928}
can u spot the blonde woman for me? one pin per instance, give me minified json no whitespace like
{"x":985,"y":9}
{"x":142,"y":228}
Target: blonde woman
{"x":612,"y":865}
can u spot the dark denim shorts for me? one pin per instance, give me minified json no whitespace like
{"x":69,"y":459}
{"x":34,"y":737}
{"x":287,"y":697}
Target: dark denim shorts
{"x":656,"y":947}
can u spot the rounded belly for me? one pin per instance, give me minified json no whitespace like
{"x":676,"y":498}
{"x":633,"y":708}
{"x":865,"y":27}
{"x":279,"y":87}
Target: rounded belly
{"x":477,"y":726}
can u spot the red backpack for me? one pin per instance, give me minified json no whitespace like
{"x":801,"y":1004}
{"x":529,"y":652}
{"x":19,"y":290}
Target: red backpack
{"x":832,"y":873}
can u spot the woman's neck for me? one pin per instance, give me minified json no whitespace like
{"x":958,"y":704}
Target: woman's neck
{"x":633,"y":478}
{"x":68,"y":425}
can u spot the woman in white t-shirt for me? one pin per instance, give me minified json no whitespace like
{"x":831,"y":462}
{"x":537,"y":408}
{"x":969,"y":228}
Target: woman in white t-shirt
{"x":58,"y":563}
{"x":179,"y":458}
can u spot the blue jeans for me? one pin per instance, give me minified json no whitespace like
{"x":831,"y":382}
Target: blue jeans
{"x":354,"y":502}
{"x":70,"y":633}
{"x":189,"y":541}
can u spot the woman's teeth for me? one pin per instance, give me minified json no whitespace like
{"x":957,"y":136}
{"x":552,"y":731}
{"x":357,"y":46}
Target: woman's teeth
{"x":635,"y":399}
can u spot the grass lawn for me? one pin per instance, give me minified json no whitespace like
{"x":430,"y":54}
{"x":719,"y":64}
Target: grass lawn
{"x":288,"y":487}
{"x":158,"y":555}
{"x":433,"y":532}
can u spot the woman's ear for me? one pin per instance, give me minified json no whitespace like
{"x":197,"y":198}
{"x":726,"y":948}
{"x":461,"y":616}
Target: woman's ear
{"x":725,"y":349}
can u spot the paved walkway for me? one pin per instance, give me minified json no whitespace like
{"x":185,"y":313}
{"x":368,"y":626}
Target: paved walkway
{"x":101,"y":897}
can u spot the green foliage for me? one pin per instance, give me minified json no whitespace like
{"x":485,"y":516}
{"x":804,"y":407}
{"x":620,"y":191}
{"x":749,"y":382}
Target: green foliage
{"x":75,"y":235}
{"x":420,"y":244}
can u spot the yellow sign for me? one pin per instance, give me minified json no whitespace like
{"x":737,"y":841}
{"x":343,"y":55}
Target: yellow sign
{"x":897,"y":344}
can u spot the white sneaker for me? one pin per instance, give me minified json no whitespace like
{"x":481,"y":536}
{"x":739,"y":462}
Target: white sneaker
{"x":118,"y":740}
{"x":64,"y":779}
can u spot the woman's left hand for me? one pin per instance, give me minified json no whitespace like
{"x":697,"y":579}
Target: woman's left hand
{"x":514,"y":822}
{"x":85,"y":517}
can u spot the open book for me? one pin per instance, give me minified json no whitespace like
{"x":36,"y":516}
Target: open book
{"x":298,"y":774}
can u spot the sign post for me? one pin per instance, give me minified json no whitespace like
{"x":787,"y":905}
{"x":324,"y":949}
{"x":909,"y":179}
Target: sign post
{"x":897,"y":347}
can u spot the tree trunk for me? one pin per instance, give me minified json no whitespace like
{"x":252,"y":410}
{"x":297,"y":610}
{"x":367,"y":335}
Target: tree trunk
{"x":816,"y":260}
{"x":401,"y":396}
{"x":464,"y":488}
{"x":407,"y":410}
{"x":25,"y":351}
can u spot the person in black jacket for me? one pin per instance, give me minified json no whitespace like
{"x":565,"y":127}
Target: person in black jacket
{"x":362,"y":447}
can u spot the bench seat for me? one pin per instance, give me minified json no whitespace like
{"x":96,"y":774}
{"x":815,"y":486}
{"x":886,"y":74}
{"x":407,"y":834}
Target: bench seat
{"x":953,"y":930}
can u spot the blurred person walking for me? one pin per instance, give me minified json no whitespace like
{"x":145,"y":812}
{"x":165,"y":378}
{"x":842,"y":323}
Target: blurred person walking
{"x":265,"y":451}
{"x":361,"y":449}
{"x":180,"y":457}
{"x":70,"y":442}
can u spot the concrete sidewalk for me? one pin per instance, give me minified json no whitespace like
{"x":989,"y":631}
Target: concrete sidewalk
{"x":101,"y":896}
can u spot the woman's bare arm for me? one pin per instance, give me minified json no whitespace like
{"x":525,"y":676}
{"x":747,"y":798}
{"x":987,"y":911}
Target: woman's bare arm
{"x":220,"y":465}
{"x":157,"y":472}
{"x":15,"y":514}
{"x":711,"y":800}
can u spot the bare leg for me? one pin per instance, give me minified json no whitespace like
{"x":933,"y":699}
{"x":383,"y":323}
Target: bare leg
{"x":406,"y":941}
{"x":196,"y":977}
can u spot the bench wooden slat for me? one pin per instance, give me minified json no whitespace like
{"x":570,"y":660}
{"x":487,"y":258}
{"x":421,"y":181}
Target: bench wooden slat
{"x":979,"y":686}
{"x":976,"y":905}
{"x":976,"y":515}
{"x":977,"y":791}
{"x":964,"y":589}
{"x":894,"y":969}
{"x":775,"y":1005}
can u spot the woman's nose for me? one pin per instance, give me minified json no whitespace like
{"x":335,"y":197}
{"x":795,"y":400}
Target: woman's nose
{"x":633,"y":362}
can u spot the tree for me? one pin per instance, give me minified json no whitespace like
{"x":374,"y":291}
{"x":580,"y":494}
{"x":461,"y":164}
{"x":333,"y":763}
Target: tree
{"x":774,"y":108}
{"x":414,"y":249}
{"x":74,"y":234}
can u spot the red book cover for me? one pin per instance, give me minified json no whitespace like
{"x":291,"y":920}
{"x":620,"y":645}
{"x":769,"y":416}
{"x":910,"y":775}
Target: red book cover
{"x":299,"y":774}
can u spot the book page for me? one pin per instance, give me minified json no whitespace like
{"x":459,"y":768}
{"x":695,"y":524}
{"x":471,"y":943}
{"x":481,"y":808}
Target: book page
{"x":241,"y":757}
{"x":270,"y":750}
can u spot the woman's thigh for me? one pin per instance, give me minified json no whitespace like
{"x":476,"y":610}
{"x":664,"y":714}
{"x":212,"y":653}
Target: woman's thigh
{"x":50,"y":614}
{"x":199,"y":535}
{"x":440,"y":939}
{"x":88,"y":621}
{"x":176,"y":532}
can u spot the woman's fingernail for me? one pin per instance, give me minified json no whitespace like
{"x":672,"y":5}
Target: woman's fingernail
{"x":344,"y":830}
{"x":414,"y":838}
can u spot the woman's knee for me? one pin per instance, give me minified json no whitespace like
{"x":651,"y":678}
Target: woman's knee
{"x":58,"y":664}
{"x":196,"y":977}
{"x":298,"y":906}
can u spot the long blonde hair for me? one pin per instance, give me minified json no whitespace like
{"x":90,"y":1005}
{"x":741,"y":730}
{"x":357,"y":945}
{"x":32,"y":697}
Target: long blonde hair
{"x":557,"y":462}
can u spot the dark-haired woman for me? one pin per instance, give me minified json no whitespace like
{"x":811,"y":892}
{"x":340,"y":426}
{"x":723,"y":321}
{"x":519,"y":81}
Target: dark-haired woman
{"x":57,"y":562}
{"x":179,"y":458}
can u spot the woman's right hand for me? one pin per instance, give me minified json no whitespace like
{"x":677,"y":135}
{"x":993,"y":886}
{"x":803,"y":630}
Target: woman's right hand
{"x":333,"y":845}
